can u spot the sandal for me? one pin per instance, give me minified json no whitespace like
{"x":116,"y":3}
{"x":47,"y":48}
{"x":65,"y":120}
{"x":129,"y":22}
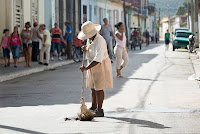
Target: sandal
{"x":119,"y":76}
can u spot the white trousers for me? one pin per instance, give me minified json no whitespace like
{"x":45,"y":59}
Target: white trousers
{"x":45,"y":50}
{"x":110,"y":48}
{"x":121,"y":54}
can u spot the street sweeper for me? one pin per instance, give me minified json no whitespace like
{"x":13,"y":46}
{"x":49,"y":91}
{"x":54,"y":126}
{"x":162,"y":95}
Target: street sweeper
{"x":99,"y":69}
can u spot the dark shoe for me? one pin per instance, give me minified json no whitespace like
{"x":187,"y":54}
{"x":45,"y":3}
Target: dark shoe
{"x":98,"y":113}
{"x":8,"y":64}
{"x":15,"y":66}
{"x":40,"y":63}
{"x":111,"y":61}
{"x":92,"y":109}
{"x":46,"y":64}
{"x":5,"y":65}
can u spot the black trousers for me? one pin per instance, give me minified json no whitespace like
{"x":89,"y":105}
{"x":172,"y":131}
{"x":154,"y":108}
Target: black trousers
{"x":35,"y":51}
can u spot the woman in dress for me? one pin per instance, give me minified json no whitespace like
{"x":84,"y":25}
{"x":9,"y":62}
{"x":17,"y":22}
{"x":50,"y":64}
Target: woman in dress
{"x":99,"y":69}
{"x":120,"y":50}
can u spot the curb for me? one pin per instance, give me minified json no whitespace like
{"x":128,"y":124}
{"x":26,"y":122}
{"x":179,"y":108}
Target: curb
{"x":33,"y":70}
{"x":195,"y":59}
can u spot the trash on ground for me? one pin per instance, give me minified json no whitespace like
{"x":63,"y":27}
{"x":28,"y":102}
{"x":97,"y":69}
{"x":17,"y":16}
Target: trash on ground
{"x":194,"y":77}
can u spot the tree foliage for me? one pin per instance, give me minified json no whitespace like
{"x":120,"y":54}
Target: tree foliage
{"x":183,"y":9}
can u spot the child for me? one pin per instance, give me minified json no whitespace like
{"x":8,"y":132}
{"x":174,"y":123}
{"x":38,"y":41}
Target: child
{"x":5,"y":47}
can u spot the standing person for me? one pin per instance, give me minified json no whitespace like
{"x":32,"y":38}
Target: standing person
{"x":68,"y":38}
{"x":35,"y":42}
{"x":147,"y":35}
{"x":46,"y":45}
{"x":156,"y":36}
{"x":5,"y":47}
{"x":120,"y":50}
{"x":26,"y":36}
{"x":40,"y":35}
{"x":99,"y":68}
{"x":134,"y":37}
{"x":107,"y":33}
{"x":15,"y":43}
{"x":56,"y":42}
{"x":78,"y":43}
{"x":167,"y":37}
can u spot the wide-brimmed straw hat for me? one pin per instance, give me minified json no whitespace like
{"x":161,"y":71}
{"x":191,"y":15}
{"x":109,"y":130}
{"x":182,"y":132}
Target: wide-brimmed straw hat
{"x":88,"y":29}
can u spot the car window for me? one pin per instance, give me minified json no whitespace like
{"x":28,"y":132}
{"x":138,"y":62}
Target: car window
{"x":182,"y":34}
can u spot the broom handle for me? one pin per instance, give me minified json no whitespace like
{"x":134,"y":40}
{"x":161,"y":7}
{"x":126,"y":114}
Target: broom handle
{"x":83,"y":77}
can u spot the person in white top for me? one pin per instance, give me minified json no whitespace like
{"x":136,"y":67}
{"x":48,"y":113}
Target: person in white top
{"x":120,"y":50}
{"x":46,"y":45}
{"x":40,"y":35}
{"x":99,"y":69}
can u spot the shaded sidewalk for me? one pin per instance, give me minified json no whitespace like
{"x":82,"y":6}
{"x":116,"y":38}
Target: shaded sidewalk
{"x":8,"y":73}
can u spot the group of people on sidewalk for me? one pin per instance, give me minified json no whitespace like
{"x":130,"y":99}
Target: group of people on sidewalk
{"x":34,"y":43}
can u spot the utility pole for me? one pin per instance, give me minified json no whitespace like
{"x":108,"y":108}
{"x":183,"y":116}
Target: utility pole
{"x":196,"y":24}
{"x":139,"y":6}
{"x":126,"y":29}
{"x":169,"y":27}
{"x":192,"y":14}
{"x":155,"y":28}
{"x":188,"y":9}
{"x":145,"y":15}
{"x":159,"y":25}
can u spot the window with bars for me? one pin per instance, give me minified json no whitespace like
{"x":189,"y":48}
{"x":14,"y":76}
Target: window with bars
{"x":18,"y":12}
{"x":34,"y":12}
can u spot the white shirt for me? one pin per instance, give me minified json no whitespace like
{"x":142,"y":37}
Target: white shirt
{"x":121,"y":43}
{"x":97,"y":49}
{"x":48,"y":39}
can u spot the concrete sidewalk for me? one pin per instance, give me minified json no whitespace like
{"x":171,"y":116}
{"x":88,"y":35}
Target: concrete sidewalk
{"x":9,"y":73}
{"x":195,"y":59}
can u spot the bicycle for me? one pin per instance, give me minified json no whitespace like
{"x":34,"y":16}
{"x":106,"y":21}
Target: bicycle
{"x":76,"y":56}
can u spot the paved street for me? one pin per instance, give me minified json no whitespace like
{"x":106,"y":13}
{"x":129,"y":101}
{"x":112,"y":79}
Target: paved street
{"x":154,"y":97}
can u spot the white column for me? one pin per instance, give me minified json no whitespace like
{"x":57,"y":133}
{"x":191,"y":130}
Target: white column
{"x":53,"y":12}
{"x":40,"y":11}
{"x":27,"y":10}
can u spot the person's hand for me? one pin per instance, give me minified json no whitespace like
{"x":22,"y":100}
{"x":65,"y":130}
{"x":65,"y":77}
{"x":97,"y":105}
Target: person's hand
{"x":84,"y":48}
{"x":82,"y":68}
{"x":123,"y":30}
{"x":8,"y":47}
{"x":65,"y":42}
{"x":113,"y":39}
{"x":127,"y":50}
{"x":43,"y":45}
{"x":21,"y":48}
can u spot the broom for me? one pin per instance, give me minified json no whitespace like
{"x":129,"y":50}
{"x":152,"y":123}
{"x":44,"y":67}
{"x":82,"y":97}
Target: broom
{"x":85,"y":115}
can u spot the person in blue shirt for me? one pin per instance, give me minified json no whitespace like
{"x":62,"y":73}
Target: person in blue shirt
{"x":68,"y":38}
